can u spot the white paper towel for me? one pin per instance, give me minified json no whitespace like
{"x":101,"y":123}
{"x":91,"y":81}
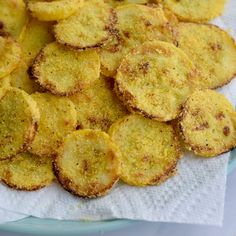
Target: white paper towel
{"x":194,"y":195}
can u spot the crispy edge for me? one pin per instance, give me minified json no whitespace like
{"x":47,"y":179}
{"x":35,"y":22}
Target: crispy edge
{"x":198,"y":150}
{"x":32,"y":188}
{"x":128,"y":100}
{"x":29,"y":137}
{"x":222,"y":32}
{"x":68,"y":185}
{"x":109,"y":28}
{"x":34,"y":74}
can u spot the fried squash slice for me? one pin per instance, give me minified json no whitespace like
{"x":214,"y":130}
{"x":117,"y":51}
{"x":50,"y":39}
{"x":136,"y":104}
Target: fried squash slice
{"x":58,"y":118}
{"x":88,"y":163}
{"x":149,"y":150}
{"x":53,"y":10}
{"x":136,"y":24}
{"x":208,"y":123}
{"x":27,"y":172}
{"x":13,"y":17}
{"x":211,"y":49}
{"x":195,"y":11}
{"x":155,"y":79}
{"x":65,"y":72}
{"x":98,"y":106}
{"x":90,"y":27}
{"x":10,"y":54}
{"x":19,"y":116}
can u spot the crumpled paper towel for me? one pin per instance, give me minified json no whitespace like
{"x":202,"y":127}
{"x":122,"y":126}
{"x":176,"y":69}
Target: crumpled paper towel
{"x":194,"y":195}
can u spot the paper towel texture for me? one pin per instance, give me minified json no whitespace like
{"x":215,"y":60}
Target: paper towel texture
{"x":194,"y":195}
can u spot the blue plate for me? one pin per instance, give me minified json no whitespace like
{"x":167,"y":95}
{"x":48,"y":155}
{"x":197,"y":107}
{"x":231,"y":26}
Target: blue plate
{"x":32,"y":225}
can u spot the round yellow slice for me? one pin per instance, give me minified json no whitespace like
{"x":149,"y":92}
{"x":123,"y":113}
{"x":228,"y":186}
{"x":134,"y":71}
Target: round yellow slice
{"x":211,"y":49}
{"x":13,"y":16}
{"x":53,"y":10}
{"x":89,"y":27}
{"x":27,"y":172}
{"x":88,"y":163}
{"x":19,"y":78}
{"x":58,"y":118}
{"x":10,"y":54}
{"x":19,"y":118}
{"x":35,"y":36}
{"x":149,"y":150}
{"x":155,"y":79}
{"x":208,"y":123}
{"x":136,"y":24}
{"x":97,"y":106}
{"x":195,"y":11}
{"x":65,"y":72}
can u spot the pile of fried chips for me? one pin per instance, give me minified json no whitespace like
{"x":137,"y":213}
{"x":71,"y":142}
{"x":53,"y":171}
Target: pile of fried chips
{"x":96,"y":91}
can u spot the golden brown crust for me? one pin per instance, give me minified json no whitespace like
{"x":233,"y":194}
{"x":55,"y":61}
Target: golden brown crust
{"x":176,"y":36}
{"x":192,"y":113}
{"x":141,"y":164}
{"x":94,"y":167}
{"x":80,"y":76}
{"x":109,"y":28}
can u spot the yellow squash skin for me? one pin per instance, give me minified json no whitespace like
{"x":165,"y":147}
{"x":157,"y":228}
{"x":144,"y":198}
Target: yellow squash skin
{"x":208,"y":123}
{"x":53,"y":10}
{"x":211,"y":49}
{"x":10,"y":54}
{"x":58,"y":118}
{"x":13,"y":17}
{"x":97,"y":106}
{"x":27,"y":172}
{"x":149,"y":150}
{"x":155,"y":79}
{"x":89,"y":27}
{"x":195,"y":11}
{"x":88,"y":163}
{"x":65,"y":72}
{"x":19,"y":116}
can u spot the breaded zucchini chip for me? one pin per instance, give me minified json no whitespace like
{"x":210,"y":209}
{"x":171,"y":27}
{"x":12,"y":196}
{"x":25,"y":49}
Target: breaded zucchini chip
{"x":27,"y":172}
{"x":155,"y":79}
{"x":58,"y":118}
{"x":208,"y":123}
{"x":149,"y":150}
{"x":13,"y":16}
{"x":90,"y":27}
{"x":195,"y":10}
{"x":10,"y":54}
{"x":136,"y":24}
{"x":53,"y":10}
{"x":35,"y":36}
{"x":65,"y":72}
{"x":211,"y":49}
{"x":88,"y":163}
{"x":19,"y":116}
{"x":19,"y":78}
{"x":97,"y":106}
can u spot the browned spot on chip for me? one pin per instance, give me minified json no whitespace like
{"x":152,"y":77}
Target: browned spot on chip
{"x":144,"y":67}
{"x":226,"y":131}
{"x":220,"y":116}
{"x":202,"y":126}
